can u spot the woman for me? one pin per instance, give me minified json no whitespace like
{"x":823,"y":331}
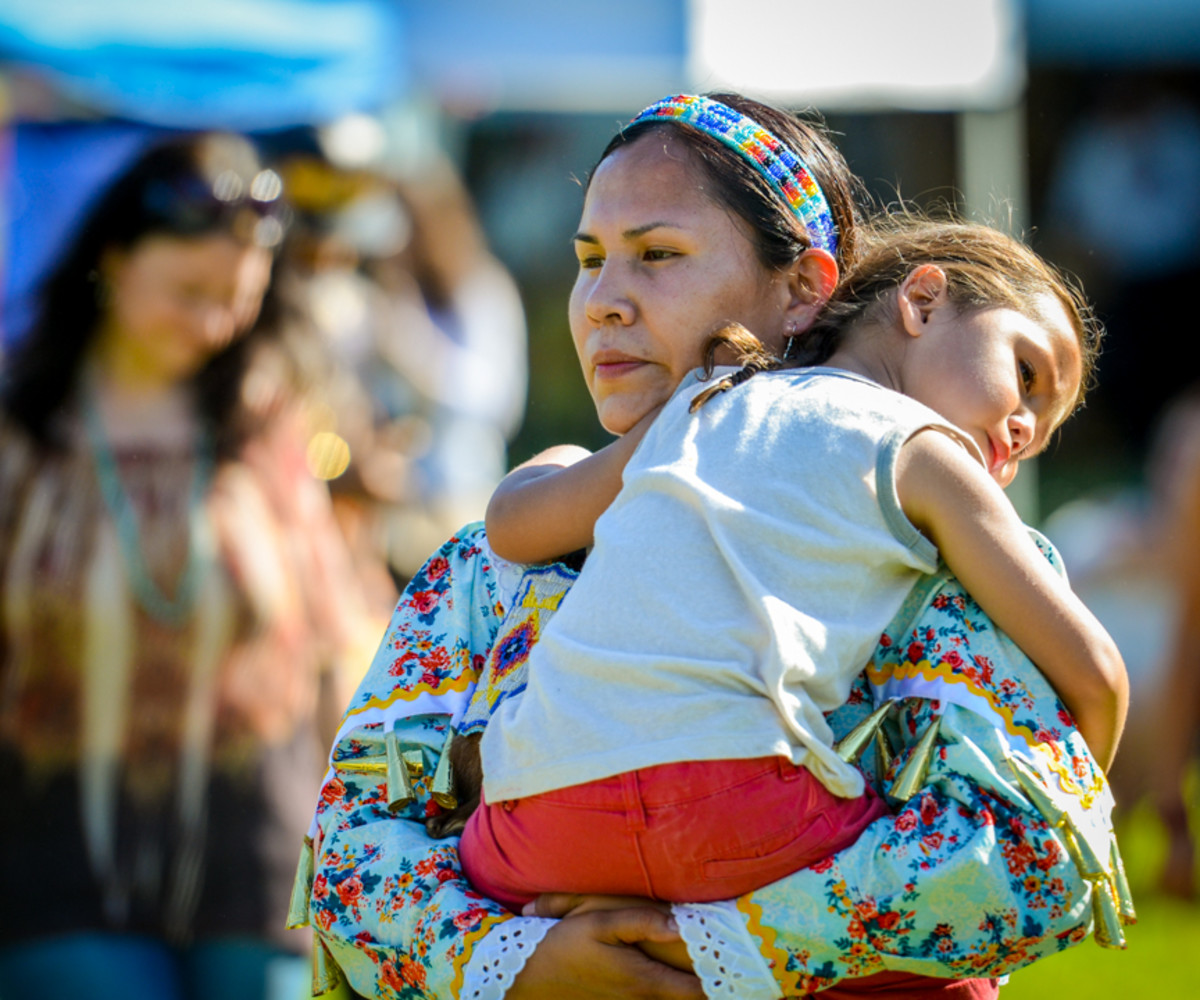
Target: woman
{"x":683,"y":230}
{"x":163,"y":651}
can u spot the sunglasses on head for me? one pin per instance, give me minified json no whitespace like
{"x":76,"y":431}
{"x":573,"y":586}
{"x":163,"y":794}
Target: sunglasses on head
{"x":251,"y":208}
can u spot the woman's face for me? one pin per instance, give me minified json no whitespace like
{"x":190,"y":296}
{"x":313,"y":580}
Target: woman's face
{"x":172,"y":303}
{"x":661,"y":265}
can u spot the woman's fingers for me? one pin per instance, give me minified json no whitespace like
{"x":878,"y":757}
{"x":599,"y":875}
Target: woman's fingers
{"x":633,"y":926}
{"x":594,"y":956}
{"x":570,"y":904}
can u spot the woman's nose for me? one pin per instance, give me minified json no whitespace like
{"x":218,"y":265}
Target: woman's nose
{"x":608,"y":299}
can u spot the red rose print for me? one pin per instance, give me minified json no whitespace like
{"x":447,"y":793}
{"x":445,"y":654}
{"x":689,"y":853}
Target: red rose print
{"x":413,"y":973}
{"x":437,"y":568}
{"x":390,"y":977}
{"x":906,"y":820}
{"x":465,"y":921}
{"x":333,"y":791}
{"x":888,"y":920}
{"x":350,"y":891}
{"x":424,"y":601}
{"x":320,"y":887}
{"x":916,"y":652}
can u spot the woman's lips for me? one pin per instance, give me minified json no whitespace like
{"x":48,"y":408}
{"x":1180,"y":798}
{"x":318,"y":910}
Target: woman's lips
{"x":613,"y":365}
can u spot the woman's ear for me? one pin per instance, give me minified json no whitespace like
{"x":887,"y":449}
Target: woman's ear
{"x":923,"y":291}
{"x":811,"y":280}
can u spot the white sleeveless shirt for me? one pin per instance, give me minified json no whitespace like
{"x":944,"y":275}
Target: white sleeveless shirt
{"x":738,"y":584}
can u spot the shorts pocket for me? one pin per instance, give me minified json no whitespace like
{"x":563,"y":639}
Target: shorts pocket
{"x":771,"y":859}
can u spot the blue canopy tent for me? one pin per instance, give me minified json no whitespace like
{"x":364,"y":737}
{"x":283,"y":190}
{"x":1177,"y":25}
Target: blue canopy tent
{"x":268,"y":64}
{"x":255,"y":65}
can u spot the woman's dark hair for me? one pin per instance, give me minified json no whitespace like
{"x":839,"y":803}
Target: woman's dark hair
{"x":777,"y":235}
{"x":186,"y":186}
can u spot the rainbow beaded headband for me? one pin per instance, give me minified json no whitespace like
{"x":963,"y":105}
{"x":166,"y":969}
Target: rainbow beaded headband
{"x":779,"y":166}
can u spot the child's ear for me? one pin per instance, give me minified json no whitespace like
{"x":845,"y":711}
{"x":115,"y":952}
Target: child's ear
{"x":810,"y":282}
{"x":923,"y":291}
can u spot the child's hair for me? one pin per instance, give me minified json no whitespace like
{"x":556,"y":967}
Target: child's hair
{"x":779,"y":238}
{"x":984,"y":268}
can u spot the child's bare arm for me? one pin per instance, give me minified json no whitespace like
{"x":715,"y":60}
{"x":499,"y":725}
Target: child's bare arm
{"x":948,"y":496}
{"x":548,"y":506}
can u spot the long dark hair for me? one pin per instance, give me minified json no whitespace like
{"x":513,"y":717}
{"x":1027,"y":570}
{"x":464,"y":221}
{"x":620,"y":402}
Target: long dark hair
{"x":186,"y":186}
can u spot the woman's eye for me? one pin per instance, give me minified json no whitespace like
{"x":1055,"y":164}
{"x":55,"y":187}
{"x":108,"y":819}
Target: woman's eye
{"x":1028,"y":375}
{"x":659,"y":254}
{"x":590,"y":262}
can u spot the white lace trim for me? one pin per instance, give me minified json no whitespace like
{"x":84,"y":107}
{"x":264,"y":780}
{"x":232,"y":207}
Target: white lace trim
{"x":723,"y":953}
{"x":499,"y":955}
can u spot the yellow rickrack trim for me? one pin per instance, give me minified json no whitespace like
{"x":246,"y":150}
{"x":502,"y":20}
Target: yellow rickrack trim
{"x":464,"y":956}
{"x":946,"y":673}
{"x":776,"y":958}
{"x":461,"y":683}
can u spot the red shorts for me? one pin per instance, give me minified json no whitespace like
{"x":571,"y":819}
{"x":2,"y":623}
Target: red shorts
{"x":905,"y":986}
{"x":687,"y":832}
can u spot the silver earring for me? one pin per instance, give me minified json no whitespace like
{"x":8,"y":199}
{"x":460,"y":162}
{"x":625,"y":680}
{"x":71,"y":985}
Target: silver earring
{"x":791,"y":332}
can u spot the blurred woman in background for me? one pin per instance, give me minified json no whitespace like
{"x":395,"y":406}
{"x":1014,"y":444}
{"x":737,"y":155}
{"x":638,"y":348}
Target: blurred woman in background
{"x":174,"y":597}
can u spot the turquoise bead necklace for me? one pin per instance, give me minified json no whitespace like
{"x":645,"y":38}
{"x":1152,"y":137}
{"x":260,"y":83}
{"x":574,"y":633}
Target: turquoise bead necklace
{"x":176,"y":610}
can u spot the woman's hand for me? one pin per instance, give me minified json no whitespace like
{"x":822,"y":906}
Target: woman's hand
{"x":597,"y":953}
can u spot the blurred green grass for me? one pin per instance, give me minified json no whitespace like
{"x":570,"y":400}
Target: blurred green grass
{"x":1158,"y":960}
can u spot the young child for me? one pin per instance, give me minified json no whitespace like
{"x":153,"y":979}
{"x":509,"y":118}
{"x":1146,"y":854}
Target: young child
{"x":763,"y":537}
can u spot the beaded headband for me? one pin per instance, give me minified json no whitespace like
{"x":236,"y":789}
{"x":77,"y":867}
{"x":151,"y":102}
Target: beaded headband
{"x":778,"y":165}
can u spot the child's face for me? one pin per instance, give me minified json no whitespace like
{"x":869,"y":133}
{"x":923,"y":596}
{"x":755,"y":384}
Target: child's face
{"x":1005,"y":378}
{"x":660,"y":266}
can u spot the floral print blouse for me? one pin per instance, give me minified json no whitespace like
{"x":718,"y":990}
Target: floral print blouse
{"x":968,"y":877}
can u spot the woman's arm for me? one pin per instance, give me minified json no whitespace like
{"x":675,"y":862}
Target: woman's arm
{"x":389,"y":904}
{"x":392,"y":908}
{"x":966,"y":879}
{"x":548,"y":506}
{"x":946,"y":495}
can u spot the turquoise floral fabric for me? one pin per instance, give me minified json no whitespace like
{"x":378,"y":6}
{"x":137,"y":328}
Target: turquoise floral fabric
{"x":965,"y":879}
